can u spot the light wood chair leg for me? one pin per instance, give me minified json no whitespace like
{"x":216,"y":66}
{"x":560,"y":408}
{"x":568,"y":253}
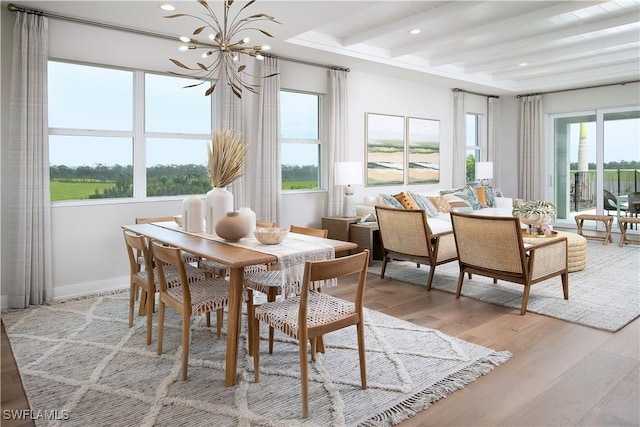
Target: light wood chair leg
{"x":160,"y":326}
{"x":271,"y":297}
{"x":361,"y":354}
{"x":150,"y":303}
{"x":219,"y":320}
{"x":132,"y":296}
{"x":255,"y":332}
{"x":186,"y":329}
{"x":525,"y":299}
{"x":304,"y":377}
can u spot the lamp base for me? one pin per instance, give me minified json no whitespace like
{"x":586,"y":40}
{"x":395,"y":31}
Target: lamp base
{"x":348,"y":206}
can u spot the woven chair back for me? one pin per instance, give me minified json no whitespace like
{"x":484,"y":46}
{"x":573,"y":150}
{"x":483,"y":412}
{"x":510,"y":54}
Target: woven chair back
{"x":404,"y":231}
{"x":493,"y":243}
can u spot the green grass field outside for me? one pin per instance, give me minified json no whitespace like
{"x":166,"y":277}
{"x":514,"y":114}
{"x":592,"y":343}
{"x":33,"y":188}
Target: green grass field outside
{"x":299,"y":185}
{"x":76,"y":190}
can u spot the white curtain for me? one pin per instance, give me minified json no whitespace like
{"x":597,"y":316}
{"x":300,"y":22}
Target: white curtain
{"x":493,"y":137}
{"x":459,"y":177}
{"x":27,"y":213}
{"x":232,"y":118}
{"x":268,"y":185}
{"x":530,"y":142}
{"x":338,"y":122}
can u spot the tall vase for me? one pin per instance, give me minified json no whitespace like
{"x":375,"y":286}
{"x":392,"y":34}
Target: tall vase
{"x":192,"y":214}
{"x":250,"y":216}
{"x":219,"y":203}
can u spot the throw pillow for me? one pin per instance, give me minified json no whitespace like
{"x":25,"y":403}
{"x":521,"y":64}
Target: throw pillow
{"x":458,"y":202}
{"x":491,"y":195}
{"x":390,"y":201}
{"x":482,"y":198}
{"x":440,"y":203}
{"x":425,"y":204}
{"x":470,"y":191}
{"x":406,"y":201}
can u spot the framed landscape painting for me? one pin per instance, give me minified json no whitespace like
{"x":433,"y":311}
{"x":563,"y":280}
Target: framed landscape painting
{"x":423,"y":141}
{"x":385,"y":149}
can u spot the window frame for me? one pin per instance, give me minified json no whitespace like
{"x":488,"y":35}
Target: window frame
{"x":138,"y":136}
{"x":478,"y":149}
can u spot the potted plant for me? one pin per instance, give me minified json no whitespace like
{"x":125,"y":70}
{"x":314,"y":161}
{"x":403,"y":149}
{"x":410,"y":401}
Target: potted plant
{"x":536,"y":213}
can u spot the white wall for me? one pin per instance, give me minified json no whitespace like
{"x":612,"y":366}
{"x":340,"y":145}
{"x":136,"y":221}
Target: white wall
{"x":88,"y":249}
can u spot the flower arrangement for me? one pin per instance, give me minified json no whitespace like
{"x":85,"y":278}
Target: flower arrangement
{"x":535,"y":212}
{"x":227,"y":156}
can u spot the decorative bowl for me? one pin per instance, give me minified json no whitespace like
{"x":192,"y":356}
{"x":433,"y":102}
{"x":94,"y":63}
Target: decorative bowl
{"x":178,"y":219}
{"x":270,"y":236}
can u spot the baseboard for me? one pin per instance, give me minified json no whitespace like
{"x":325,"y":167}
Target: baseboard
{"x":61,"y":293}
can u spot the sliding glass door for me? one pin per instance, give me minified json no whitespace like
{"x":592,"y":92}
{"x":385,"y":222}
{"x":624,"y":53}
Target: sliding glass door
{"x":596,"y":160}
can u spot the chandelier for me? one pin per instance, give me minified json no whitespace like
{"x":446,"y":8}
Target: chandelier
{"x":222,"y":53}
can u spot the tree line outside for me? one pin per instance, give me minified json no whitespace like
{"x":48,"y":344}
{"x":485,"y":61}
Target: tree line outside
{"x":107,"y":182}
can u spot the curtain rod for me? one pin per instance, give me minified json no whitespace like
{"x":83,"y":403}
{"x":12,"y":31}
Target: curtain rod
{"x":455,"y":89}
{"x":15,"y":8}
{"x":579,"y":88}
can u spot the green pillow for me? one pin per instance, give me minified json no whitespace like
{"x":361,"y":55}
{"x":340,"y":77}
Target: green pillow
{"x":425,"y":204}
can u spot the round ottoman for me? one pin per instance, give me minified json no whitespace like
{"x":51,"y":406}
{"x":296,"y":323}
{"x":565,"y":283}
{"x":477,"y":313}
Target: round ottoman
{"x":576,"y":250}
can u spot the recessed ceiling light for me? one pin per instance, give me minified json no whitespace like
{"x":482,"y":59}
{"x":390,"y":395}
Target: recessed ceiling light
{"x":167,"y":7}
{"x":415,"y":31}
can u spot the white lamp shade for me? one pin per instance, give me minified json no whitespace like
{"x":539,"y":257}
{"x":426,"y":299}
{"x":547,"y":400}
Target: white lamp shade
{"x":348,"y":173}
{"x":484,"y":170}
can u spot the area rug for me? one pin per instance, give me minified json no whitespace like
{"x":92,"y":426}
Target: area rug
{"x":605,"y":295}
{"x":81,"y":363}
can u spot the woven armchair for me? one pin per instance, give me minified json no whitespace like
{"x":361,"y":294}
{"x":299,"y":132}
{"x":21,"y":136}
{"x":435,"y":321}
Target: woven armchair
{"x":493,"y":247}
{"x":406,"y":235}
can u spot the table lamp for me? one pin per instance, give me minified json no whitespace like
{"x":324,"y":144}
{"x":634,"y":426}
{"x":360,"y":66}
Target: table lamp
{"x":348,"y":174}
{"x":484,"y":172}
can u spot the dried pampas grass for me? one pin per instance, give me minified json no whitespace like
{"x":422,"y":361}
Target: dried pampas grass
{"x":227,"y":155}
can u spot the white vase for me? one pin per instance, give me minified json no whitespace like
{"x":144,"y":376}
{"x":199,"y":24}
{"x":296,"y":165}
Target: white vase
{"x":219,"y":203}
{"x":250,"y":217}
{"x":192,"y":214}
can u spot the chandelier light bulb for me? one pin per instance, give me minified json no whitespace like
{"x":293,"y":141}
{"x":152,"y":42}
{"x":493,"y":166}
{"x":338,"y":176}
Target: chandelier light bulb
{"x":246,"y":40}
{"x":265,"y":47}
{"x":185,"y":39}
{"x":183,"y":48}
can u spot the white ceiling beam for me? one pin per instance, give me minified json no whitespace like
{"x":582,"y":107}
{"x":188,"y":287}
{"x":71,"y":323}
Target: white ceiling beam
{"x":625,"y":72}
{"x":566,"y":65}
{"x":492,"y":27}
{"x":542,"y":55}
{"x":422,"y":19}
{"x":526,"y":43}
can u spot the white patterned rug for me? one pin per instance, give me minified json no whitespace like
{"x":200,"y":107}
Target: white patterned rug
{"x":605,"y":295}
{"x":80,"y":359}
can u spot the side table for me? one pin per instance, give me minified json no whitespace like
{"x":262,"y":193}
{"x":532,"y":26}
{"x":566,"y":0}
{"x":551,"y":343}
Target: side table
{"x":367,"y":236}
{"x":338,"y":227}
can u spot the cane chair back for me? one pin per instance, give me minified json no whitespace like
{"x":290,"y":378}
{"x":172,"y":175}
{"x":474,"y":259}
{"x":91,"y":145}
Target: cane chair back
{"x":311,"y":315}
{"x":405,"y":235}
{"x":493,"y":247}
{"x":146,"y":279}
{"x":270,"y":282}
{"x":189,"y":298}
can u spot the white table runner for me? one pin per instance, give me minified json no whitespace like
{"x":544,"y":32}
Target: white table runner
{"x":292,"y":252}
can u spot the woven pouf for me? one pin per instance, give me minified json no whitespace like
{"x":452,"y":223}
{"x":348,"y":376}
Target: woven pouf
{"x":576,"y":250}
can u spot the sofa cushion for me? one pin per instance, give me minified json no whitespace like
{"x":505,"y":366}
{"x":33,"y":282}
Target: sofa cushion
{"x":472,"y":196}
{"x":425,"y":204}
{"x":389,"y":201}
{"x":481,"y":193}
{"x":440,"y":203}
{"x":406,"y":201}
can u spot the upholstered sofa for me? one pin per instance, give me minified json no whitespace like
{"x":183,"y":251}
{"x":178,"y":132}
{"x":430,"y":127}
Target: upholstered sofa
{"x":437,"y":204}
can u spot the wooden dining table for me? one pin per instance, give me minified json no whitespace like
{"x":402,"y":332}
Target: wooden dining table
{"x":236,"y":258}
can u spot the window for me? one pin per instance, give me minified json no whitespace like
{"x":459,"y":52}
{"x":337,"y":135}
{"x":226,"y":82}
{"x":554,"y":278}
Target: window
{"x":98,"y":149}
{"x":473,"y":145}
{"x":301,"y":140}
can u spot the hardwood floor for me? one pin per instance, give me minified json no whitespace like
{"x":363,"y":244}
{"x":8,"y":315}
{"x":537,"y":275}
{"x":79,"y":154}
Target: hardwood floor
{"x":560,"y":373}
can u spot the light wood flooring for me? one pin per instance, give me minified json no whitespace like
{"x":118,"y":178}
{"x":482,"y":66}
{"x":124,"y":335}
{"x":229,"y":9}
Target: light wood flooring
{"x":561,"y":374}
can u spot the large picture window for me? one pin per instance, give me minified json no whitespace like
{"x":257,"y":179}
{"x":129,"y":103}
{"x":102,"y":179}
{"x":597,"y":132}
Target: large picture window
{"x":112,"y":138}
{"x":301,"y":140}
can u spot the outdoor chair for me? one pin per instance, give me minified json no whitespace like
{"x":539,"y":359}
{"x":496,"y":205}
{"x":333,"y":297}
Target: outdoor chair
{"x":311,"y":315}
{"x":494,"y":247}
{"x":611,"y":203}
{"x":405,"y":235}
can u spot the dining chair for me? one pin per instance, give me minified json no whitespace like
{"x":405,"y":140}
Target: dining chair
{"x":270,"y":282}
{"x":190,"y":258}
{"x":146,"y":280}
{"x":311,"y":315}
{"x":189,"y":298}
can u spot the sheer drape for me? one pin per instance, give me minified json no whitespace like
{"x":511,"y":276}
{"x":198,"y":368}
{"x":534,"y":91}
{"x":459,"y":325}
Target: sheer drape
{"x":268,"y":185}
{"x":337,"y":141}
{"x":459,"y":174}
{"x":232,"y":118}
{"x":493,"y":137}
{"x":28,"y":233}
{"x":530,"y":161}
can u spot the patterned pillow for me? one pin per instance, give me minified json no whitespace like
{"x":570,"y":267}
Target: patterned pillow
{"x":482,"y":198}
{"x":458,"y":202}
{"x":440,"y":203}
{"x":425,"y":204}
{"x":470,"y":191}
{"x":391,"y":201}
{"x":490,"y":195}
{"x":406,"y":201}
